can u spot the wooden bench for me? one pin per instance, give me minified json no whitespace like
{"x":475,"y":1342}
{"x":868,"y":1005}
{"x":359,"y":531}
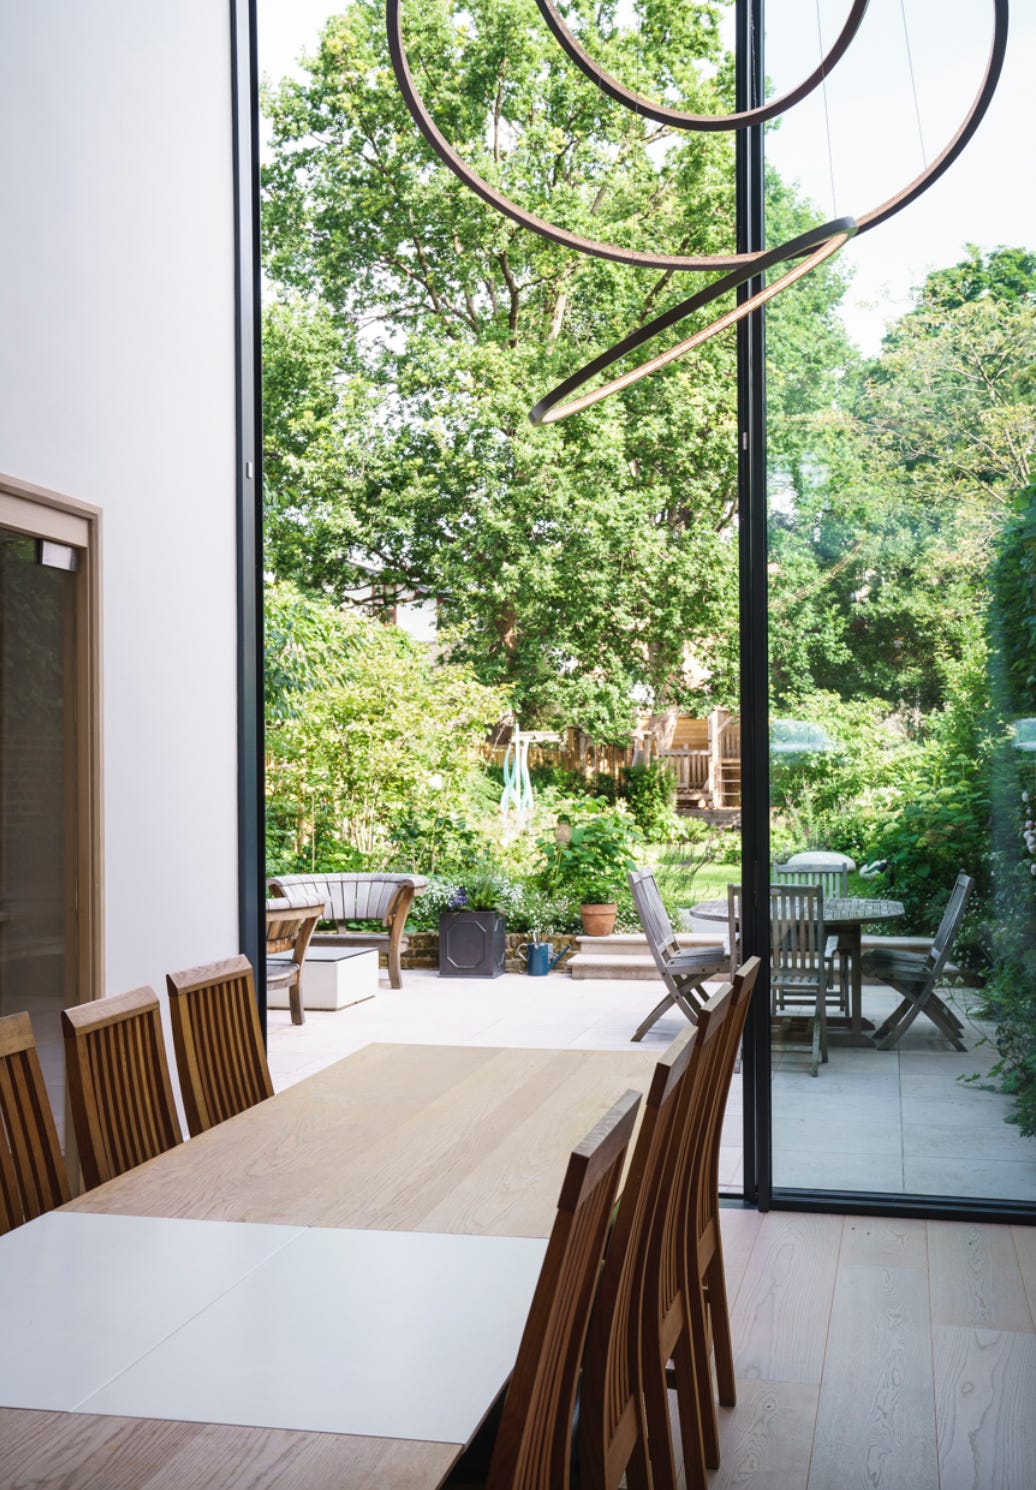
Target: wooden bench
{"x":357,"y":897}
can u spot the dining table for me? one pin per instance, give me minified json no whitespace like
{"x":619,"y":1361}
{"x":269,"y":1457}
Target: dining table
{"x":845,"y":918}
{"x":326,"y":1290}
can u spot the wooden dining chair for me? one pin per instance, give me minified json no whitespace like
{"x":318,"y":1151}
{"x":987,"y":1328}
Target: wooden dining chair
{"x":33,"y":1178}
{"x":666,"y":1305}
{"x":613,"y":1436}
{"x":118,"y":1083}
{"x":701,"y":1242}
{"x":218,"y":1041}
{"x":289,"y":929}
{"x":533,"y":1445}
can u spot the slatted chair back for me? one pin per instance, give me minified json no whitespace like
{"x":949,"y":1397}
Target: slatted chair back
{"x":949,"y":925}
{"x":657,"y":926}
{"x":218,"y":1042}
{"x":32,"y":1172}
{"x":285,"y":923}
{"x":834,"y":881}
{"x":801,"y":972}
{"x":347,"y":897}
{"x":797,"y":940}
{"x":666,"y":1318}
{"x":290,"y":928}
{"x":612,"y":1427}
{"x":701,"y":1242}
{"x":118,"y":1083}
{"x":533,"y":1443}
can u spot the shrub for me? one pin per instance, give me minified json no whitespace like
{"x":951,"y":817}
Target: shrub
{"x":1010,"y":994}
{"x":590,"y":853}
{"x":372,"y":747}
{"x":650,"y":791}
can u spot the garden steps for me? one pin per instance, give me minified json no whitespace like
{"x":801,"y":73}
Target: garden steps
{"x":625,"y":955}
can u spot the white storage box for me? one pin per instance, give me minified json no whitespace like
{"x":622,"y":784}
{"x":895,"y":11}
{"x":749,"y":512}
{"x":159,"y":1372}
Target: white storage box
{"x":333,"y":978}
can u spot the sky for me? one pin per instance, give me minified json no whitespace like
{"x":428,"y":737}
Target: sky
{"x":866,"y":125}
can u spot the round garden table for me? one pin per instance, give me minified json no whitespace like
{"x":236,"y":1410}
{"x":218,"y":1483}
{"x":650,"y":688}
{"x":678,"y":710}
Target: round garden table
{"x":844,"y":917}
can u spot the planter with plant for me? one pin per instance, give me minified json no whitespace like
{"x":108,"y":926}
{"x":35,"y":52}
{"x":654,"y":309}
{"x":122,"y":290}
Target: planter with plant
{"x":588,"y":857}
{"x":472,"y":928}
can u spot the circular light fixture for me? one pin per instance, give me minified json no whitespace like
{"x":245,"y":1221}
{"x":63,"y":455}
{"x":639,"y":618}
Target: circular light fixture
{"x":819,"y":244}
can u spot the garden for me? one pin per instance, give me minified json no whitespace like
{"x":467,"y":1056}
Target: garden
{"x":585,"y":575}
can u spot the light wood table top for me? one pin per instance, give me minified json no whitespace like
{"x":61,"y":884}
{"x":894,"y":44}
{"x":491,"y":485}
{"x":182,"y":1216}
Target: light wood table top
{"x":396,"y":1137}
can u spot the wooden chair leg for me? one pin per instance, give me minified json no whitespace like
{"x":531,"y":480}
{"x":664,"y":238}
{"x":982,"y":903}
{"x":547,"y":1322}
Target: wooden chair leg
{"x":698,"y":1438}
{"x":638,"y":1472}
{"x":298,"y":1013}
{"x":719,"y":1319}
{"x":888,"y":1025}
{"x":395,"y":969}
{"x":698,"y":1355}
{"x":660,"y":1433}
{"x":689,"y":1006}
{"x":653,"y":1017}
{"x":935,"y":1010}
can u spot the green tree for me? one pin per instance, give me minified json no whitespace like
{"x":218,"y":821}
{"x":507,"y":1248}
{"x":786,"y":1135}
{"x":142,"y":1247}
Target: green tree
{"x":366,"y":739}
{"x":587,"y":565}
{"x":883,"y":543}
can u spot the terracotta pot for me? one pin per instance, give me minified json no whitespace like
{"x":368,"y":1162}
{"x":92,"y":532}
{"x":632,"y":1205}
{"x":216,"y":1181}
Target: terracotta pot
{"x":599,"y":920}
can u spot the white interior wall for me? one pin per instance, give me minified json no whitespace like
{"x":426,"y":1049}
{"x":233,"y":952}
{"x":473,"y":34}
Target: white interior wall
{"x":117,"y":388}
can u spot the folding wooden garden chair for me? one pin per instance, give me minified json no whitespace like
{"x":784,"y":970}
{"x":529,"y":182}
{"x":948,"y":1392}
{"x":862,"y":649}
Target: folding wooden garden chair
{"x":684,"y":971}
{"x":914,"y":975}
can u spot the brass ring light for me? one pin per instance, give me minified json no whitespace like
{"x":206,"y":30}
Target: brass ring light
{"x":677,"y":117}
{"x":552,"y":407}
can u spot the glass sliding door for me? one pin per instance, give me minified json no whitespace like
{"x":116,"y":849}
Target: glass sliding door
{"x":902,"y":569}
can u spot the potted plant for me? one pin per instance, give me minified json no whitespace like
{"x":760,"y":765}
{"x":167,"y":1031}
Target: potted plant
{"x":472,"y":929}
{"x":589,"y":857}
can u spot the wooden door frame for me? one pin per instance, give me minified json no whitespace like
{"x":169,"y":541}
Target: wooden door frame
{"x":39,"y":513}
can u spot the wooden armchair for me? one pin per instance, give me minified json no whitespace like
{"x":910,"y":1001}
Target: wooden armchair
{"x":289,"y":928}
{"x":32,"y":1172}
{"x":682,"y":970}
{"x":118,"y":1083}
{"x":218,"y":1041}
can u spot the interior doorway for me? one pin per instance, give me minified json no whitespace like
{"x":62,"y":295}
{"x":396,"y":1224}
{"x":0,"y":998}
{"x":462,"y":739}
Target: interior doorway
{"x":49,"y":850}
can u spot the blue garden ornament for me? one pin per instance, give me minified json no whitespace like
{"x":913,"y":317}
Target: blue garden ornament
{"x":516,"y":802}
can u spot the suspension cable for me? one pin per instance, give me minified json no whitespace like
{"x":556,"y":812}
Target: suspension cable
{"x":827,"y":120}
{"x":913,"y":83}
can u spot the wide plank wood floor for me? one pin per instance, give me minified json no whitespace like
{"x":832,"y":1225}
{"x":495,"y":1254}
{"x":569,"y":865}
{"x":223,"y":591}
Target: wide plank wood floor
{"x":879,"y":1355}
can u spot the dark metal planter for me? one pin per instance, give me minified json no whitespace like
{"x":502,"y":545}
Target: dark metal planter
{"x":472,"y":944}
